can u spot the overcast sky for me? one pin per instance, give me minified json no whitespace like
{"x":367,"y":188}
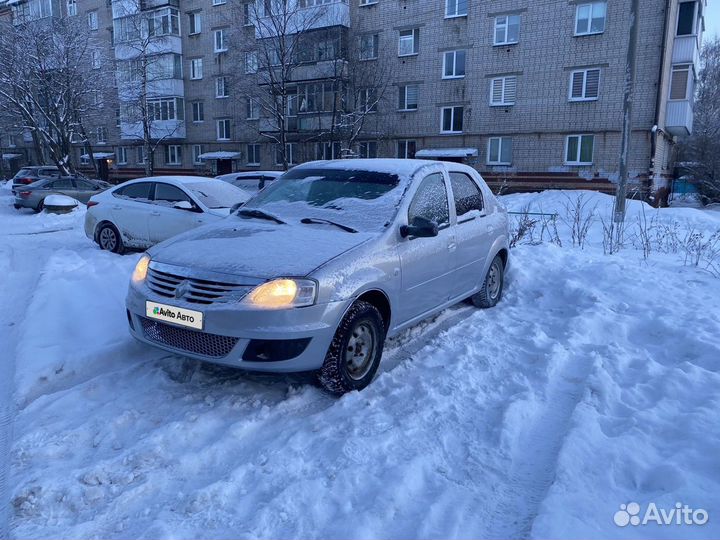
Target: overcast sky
{"x":712,"y":18}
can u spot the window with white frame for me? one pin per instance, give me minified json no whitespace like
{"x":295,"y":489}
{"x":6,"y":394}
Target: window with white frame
{"x":688,"y":20}
{"x":368,"y":100}
{"x":160,"y":109}
{"x":197,"y":151}
{"x":195,"y":23}
{"x":579,"y":149}
{"x":369,"y":44}
{"x":503,"y":91}
{"x":173,"y":154}
{"x":32,"y":10}
{"x":251,"y":62}
{"x":406,"y":149}
{"x":499,"y":151}
{"x":453,"y":65}
{"x":220,"y":42}
{"x":218,"y":2}
{"x":92,"y":20}
{"x":71,"y":8}
{"x":252,"y":109}
{"x":681,"y":83}
{"x":409,"y":42}
{"x":264,"y":8}
{"x":164,"y":22}
{"x":96,"y":59}
{"x":141,"y":155}
{"x":102,"y":135}
{"x":327,"y":150}
{"x":507,"y":30}
{"x":368,"y":2}
{"x":290,"y":150}
{"x":223,"y":129}
{"x":253,"y":154}
{"x":590,"y":18}
{"x":196,"y":69}
{"x":221,"y":87}
{"x":451,"y":119}
{"x":198,"y":111}
{"x":456,"y":8}
{"x":122,"y":155}
{"x":408,"y":97}
{"x":585,"y":84}
{"x":247,"y":14}
{"x":368,"y":149}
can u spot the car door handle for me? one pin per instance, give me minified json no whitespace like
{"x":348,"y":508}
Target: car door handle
{"x":452,"y":246}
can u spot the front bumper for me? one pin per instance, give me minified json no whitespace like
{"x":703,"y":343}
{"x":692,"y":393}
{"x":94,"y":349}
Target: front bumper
{"x":231,"y":332}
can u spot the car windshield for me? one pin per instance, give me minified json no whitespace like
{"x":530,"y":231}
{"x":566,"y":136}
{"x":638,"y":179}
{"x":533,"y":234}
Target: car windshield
{"x":217,"y":194}
{"x":363,"y":200}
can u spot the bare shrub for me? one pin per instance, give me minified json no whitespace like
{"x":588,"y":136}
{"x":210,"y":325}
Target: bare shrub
{"x":524,"y":227}
{"x":579,"y":217}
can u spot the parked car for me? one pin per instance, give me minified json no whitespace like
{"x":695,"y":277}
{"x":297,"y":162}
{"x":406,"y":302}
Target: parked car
{"x":252,"y":181}
{"x":143,"y":212}
{"x":315,"y":271}
{"x":33,"y":195}
{"x":31,"y":174}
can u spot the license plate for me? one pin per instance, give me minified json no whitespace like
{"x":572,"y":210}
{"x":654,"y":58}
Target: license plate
{"x":176,"y":315}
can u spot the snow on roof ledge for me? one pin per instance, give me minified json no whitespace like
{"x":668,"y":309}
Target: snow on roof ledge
{"x":447,"y":152}
{"x":99,"y":155}
{"x":219,"y":155}
{"x":11,"y":156}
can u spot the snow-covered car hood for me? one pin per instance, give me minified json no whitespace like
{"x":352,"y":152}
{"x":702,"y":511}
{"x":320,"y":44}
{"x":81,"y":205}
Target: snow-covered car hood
{"x":257,"y":249}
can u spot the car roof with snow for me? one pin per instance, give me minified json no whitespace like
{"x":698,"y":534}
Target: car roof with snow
{"x":178,"y":180}
{"x":404,"y":168}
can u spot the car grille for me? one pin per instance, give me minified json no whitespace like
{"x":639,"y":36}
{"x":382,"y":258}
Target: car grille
{"x":194,"y":290}
{"x":211,"y":345}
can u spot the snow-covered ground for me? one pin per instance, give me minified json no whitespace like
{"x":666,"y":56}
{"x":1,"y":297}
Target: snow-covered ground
{"x":595,"y":383}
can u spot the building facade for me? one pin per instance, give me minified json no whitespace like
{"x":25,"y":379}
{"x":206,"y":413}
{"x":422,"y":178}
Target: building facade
{"x":529,"y":93}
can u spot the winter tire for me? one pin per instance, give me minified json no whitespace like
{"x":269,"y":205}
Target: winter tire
{"x":354,"y":354}
{"x":492,"y":288}
{"x":108,"y":238}
{"x":41,"y":205}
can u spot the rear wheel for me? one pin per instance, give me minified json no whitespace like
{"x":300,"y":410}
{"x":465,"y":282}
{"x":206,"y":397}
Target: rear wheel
{"x":492,"y":288}
{"x":108,"y":238}
{"x":354,"y":355}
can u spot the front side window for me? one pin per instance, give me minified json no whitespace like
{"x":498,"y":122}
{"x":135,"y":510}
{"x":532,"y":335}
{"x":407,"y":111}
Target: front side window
{"x":466,"y":193}
{"x":409,"y":42}
{"x":579,"y":149}
{"x":456,"y":8}
{"x":499,"y":151}
{"x":431,"y":201}
{"x":503,"y":91}
{"x":590,"y":18}
{"x":507,"y":29}
{"x":451,"y":119}
{"x":454,"y":65}
{"x":167,"y":195}
{"x":585,"y":85}
{"x":139,"y":191}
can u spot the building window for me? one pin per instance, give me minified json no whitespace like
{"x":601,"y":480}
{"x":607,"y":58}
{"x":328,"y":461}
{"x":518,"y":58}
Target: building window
{"x":455,"y":8}
{"x":368,"y":150}
{"x":218,"y":2}
{"x":102,"y":135}
{"x":253,"y":154}
{"x":92,"y":20}
{"x":406,"y":149}
{"x":197,"y":151}
{"x":223,"y":129}
{"x":368,"y":2}
{"x":72,"y":8}
{"x":95,"y":59}
{"x":196,"y":69}
{"x":507,"y":30}
{"x":681,"y":83}
{"x":585,"y":85}
{"x":409,"y":43}
{"x":118,"y":118}
{"x":579,"y":149}
{"x":251,"y":62}
{"x":590,"y":18}
{"x":166,"y":109}
{"x":141,"y":155}
{"x":408,"y":97}
{"x":121,"y":153}
{"x":499,"y":151}
{"x":198,"y":111}
{"x":368,"y":100}
{"x":164,"y":22}
{"x":32,"y":10}
{"x":220,"y":43}
{"x":369,"y":45}
{"x":195,"y":23}
{"x":173,"y":154}
{"x":686,"y":19}
{"x":453,"y":65}
{"x":451,"y":120}
{"x":503,"y":91}
{"x":252,"y":109}
{"x":289,"y":154}
{"x":221,"y":87}
{"x":247,"y":15}
{"x":328,"y":150}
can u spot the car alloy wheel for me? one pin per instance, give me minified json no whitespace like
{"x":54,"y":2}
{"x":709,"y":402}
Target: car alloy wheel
{"x":360,"y":350}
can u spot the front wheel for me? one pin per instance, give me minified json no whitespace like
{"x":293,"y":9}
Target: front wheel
{"x":354,"y":355}
{"x":109,"y":239}
{"x":492,"y":288}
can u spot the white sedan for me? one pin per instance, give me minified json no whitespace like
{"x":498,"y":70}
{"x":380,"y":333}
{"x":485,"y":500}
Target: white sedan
{"x":250,"y":181}
{"x":143,"y":212}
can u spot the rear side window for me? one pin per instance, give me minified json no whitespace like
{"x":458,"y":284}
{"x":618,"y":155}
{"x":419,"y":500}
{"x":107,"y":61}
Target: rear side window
{"x":61,"y":184}
{"x":85,"y":185}
{"x":466,"y":193}
{"x":139,"y":191}
{"x":431,"y":201}
{"x":167,"y":194}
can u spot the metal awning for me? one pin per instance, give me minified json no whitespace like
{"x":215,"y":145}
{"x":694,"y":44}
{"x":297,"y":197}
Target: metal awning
{"x":220,"y":155}
{"x":99,"y":155}
{"x":11,"y":156}
{"x":447,"y":153}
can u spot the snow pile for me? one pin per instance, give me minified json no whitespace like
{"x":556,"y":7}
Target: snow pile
{"x":594,"y":383}
{"x":60,"y":200}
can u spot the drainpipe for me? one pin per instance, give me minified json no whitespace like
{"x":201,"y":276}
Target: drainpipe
{"x":656,"y":132}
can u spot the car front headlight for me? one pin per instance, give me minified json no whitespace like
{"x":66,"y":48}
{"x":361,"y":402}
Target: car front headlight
{"x":283,"y":293}
{"x":141,"y":269}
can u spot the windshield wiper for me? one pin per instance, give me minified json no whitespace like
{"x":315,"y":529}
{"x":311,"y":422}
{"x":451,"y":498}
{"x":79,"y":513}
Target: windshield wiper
{"x":308,"y":220}
{"x":259,"y":214}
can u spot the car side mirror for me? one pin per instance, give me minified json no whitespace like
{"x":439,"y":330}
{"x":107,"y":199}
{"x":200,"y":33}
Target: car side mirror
{"x":420,"y":227}
{"x":183,"y":205}
{"x":235,"y":207}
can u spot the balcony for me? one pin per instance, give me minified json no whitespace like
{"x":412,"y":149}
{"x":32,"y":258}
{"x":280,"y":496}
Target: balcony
{"x":679,"y":119}
{"x":686,"y":50}
{"x":303,"y":19}
{"x":160,"y":129}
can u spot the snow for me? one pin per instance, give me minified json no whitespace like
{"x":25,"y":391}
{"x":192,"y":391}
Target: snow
{"x":595,"y":382}
{"x":60,"y":200}
{"x":219,"y":155}
{"x":447,"y":152}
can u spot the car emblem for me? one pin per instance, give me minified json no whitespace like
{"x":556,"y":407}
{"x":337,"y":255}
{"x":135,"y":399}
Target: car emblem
{"x":182,"y":288}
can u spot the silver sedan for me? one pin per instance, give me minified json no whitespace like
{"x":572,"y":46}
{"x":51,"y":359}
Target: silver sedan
{"x":34,"y":195}
{"x":315,"y":271}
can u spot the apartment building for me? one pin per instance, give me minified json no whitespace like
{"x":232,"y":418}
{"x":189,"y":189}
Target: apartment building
{"x":528,"y":92}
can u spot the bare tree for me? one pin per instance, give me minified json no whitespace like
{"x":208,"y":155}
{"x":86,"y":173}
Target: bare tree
{"x":48,"y":85}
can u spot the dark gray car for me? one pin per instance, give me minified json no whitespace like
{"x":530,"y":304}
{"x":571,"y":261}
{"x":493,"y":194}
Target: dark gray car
{"x":81,"y":189}
{"x":31,"y":174}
